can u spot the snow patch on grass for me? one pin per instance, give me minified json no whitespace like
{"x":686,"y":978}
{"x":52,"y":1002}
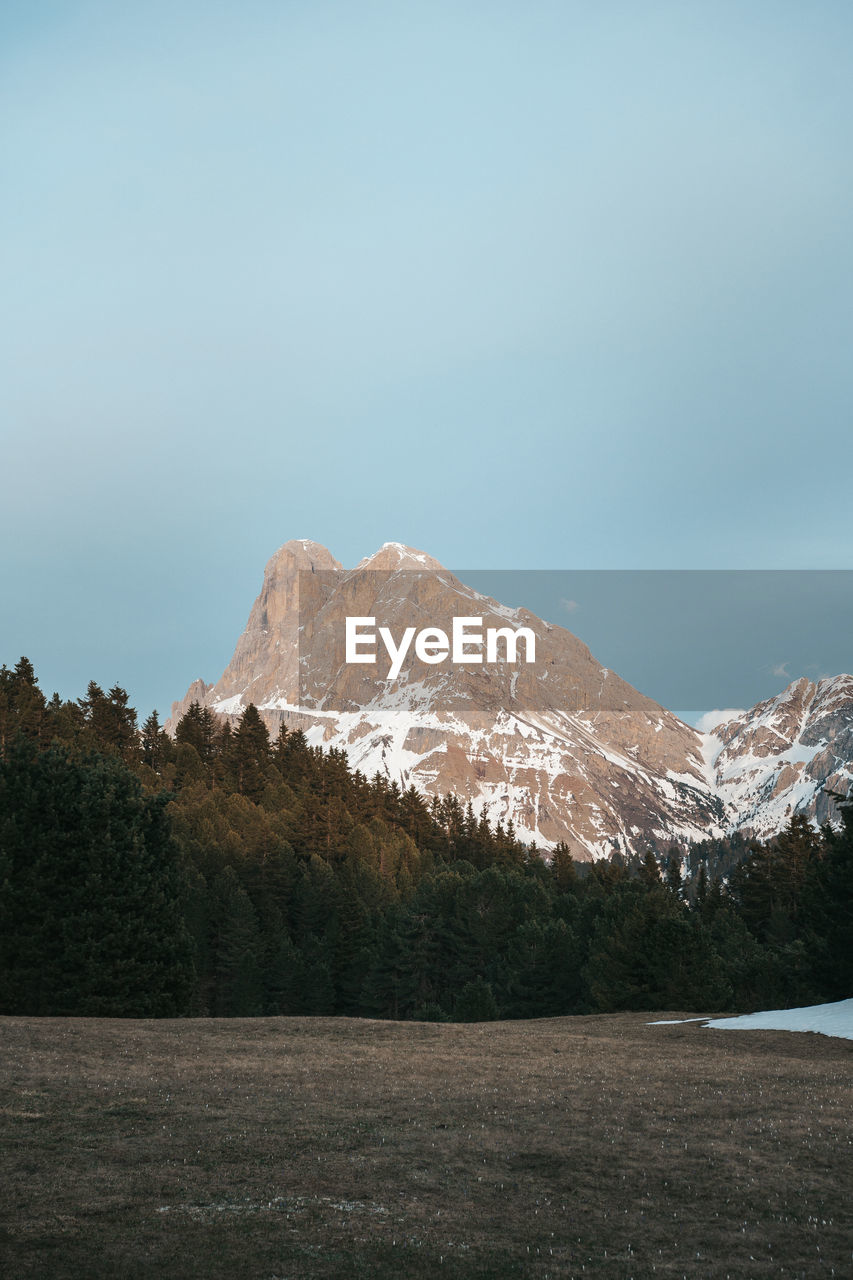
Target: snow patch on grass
{"x":823,"y":1019}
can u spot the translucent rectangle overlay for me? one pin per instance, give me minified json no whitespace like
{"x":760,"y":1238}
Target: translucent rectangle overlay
{"x":692,"y":641}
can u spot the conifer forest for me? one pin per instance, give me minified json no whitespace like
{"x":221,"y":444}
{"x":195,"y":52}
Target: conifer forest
{"x":221,"y":873}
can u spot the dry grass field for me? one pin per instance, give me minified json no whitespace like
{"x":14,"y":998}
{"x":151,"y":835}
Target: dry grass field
{"x":301,"y":1147}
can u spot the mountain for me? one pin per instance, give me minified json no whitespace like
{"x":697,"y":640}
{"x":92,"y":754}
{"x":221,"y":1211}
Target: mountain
{"x":561,"y":746}
{"x":785,"y":756}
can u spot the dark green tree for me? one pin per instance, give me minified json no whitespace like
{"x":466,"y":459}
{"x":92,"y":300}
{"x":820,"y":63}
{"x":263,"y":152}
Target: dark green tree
{"x":475,"y":1003}
{"x":197,"y":728}
{"x":564,"y":870}
{"x":649,"y":870}
{"x":768,"y":885}
{"x":110,"y":722}
{"x":827,"y":912}
{"x":92,"y":890}
{"x":249,"y":754}
{"x":22,"y":704}
{"x":155,"y":743}
{"x":236,"y":949}
{"x":675,"y":874}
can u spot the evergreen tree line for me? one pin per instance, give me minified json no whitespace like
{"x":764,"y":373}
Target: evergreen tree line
{"x":223,"y":873}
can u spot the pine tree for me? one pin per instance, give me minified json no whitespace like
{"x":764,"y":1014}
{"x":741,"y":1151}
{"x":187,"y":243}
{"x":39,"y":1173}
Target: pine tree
{"x":64,"y":721}
{"x":236,"y":949}
{"x":250,"y":754}
{"x":383,"y":988}
{"x":542,"y":978}
{"x":110,"y":721}
{"x":674,"y":874}
{"x":768,"y":885}
{"x":318,"y":990}
{"x":197,"y":728}
{"x":283,"y":976}
{"x":475,"y":1003}
{"x":827,"y":912}
{"x":93,"y":890}
{"x":22,"y":705}
{"x":563,"y":869}
{"x":155,"y":744}
{"x":649,"y":871}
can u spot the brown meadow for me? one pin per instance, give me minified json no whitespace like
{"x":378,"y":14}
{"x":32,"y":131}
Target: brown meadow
{"x":326,"y":1147}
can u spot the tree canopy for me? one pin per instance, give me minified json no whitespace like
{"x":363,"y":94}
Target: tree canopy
{"x":226,"y":872}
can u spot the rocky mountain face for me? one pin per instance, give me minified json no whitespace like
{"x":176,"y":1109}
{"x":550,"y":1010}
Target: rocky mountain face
{"x":786,"y":755}
{"x":561,"y":745}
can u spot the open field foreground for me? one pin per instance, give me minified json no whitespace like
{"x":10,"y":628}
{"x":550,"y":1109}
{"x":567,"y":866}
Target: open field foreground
{"x":303,"y":1147}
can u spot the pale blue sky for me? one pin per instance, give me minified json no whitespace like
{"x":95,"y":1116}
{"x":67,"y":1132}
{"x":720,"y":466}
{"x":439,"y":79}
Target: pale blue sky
{"x":541,"y":285}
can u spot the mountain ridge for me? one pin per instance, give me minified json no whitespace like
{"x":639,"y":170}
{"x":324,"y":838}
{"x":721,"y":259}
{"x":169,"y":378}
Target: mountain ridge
{"x":568,"y":751}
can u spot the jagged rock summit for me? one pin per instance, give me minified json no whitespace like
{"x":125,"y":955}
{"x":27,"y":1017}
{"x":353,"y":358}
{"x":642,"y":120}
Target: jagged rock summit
{"x":789,"y":754}
{"x":395,"y":555}
{"x":563,"y":747}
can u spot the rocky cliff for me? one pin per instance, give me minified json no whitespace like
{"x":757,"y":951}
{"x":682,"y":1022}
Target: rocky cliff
{"x":786,"y":755}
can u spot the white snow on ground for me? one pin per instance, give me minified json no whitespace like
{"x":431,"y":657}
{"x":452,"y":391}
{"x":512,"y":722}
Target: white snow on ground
{"x":825,"y":1019}
{"x":673,"y":1022}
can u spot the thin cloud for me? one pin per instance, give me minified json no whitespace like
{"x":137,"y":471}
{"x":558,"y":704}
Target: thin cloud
{"x":570,"y":606}
{"x":781,"y":670}
{"x":710,"y":720}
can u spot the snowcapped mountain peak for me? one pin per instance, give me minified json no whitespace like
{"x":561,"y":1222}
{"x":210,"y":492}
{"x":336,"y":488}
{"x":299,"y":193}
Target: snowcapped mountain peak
{"x":563,"y":747}
{"x":783,"y":755}
{"x":833,"y":690}
{"x":396,"y":555}
{"x":559,"y":745}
